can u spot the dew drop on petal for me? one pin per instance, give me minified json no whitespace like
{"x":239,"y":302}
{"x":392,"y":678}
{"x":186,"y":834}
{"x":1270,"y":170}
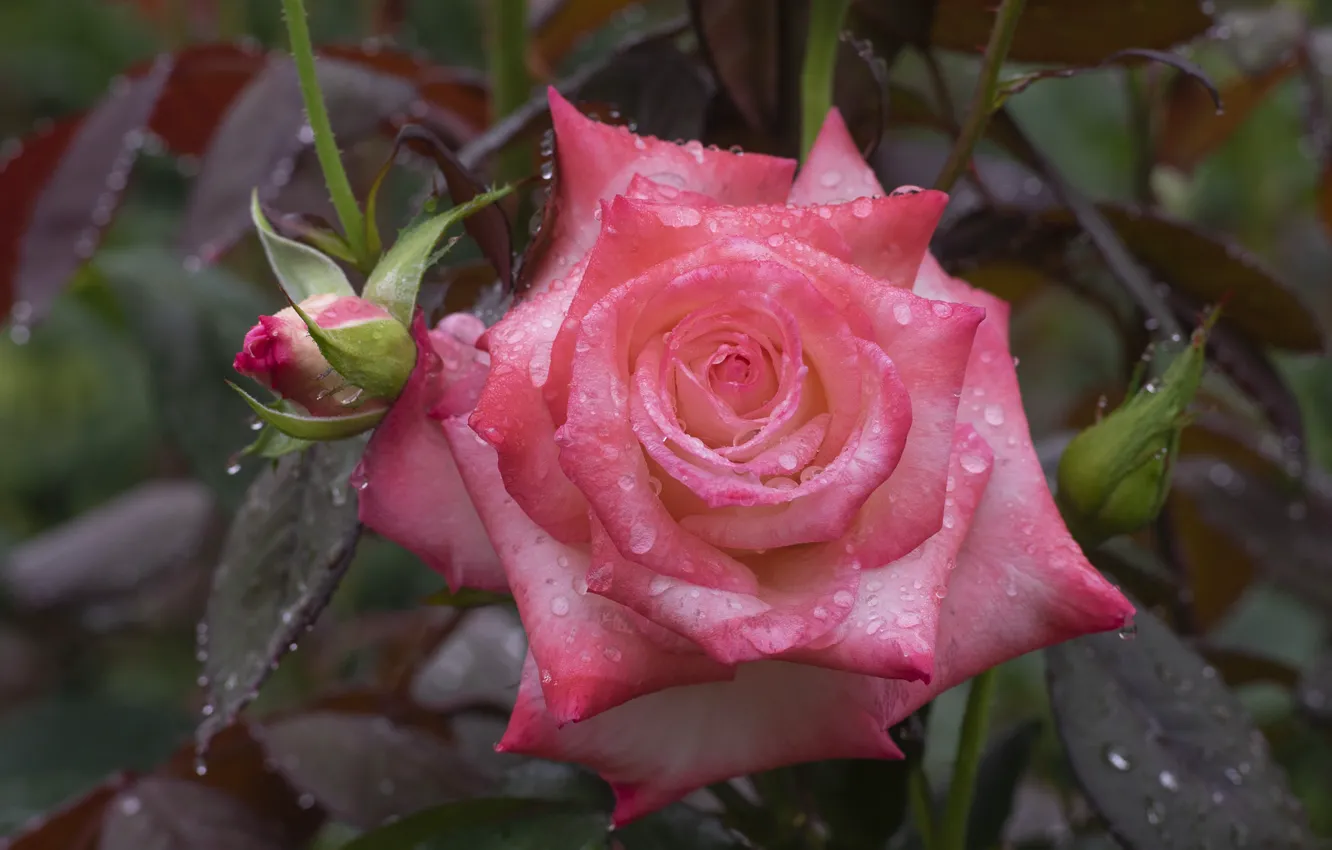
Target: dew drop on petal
{"x":641,"y":538}
{"x":902,"y":313}
{"x":843,"y":598}
{"x":659,"y":585}
{"x":974,"y":464}
{"x":559,"y":606}
{"x":788,"y":461}
{"x":994,"y":414}
{"x":830,"y":179}
{"x":626,"y":483}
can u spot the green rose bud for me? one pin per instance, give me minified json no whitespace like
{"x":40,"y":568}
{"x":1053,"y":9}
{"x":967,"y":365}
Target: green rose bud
{"x":1115,"y":475}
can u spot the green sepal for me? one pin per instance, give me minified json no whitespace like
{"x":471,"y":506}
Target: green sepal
{"x":301,"y":270}
{"x":376,"y":355}
{"x":395,"y":280}
{"x":272,"y":444}
{"x":313,"y":428}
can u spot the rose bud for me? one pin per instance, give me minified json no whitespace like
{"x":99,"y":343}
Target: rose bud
{"x":1115,"y":475}
{"x":354,"y":355}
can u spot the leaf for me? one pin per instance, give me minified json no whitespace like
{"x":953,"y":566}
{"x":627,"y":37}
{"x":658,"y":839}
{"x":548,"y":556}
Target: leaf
{"x":488,"y":226}
{"x":746,"y":44}
{"x":1210,"y":269}
{"x":205,"y":81}
{"x":312,"y":428}
{"x":288,"y":547}
{"x":74,"y":826}
{"x":1191,"y":127}
{"x":1287,"y":532}
{"x":1218,"y":571}
{"x":158,"y":813}
{"x":256,"y":144}
{"x":503,"y":823}
{"x":864,"y":800}
{"x":1164,"y":752}
{"x":61,"y":192}
{"x":394,"y":282}
{"x":563,"y":24}
{"x":677,"y":826}
{"x":302,"y":271}
{"x":1239,"y":667}
{"x":237,"y":765}
{"x":659,"y":89}
{"x":1191,"y":75}
{"x":1001,"y":769}
{"x":369,"y":758}
{"x":188,"y":326}
{"x":1071,"y":32}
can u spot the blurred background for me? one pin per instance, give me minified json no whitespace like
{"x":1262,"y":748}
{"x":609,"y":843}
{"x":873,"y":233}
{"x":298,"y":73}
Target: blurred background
{"x":119,"y":470}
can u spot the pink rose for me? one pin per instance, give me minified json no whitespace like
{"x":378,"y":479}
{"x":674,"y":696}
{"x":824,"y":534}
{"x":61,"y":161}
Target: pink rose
{"x":280,"y":354}
{"x":756,"y":470}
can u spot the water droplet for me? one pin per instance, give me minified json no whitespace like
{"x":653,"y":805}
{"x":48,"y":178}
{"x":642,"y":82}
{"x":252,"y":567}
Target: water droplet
{"x":787,"y":461}
{"x":843,"y":598}
{"x":627,"y":483}
{"x":233,"y":469}
{"x":942,"y":309}
{"x":830,"y":179}
{"x":994,"y":414}
{"x":1233,"y":776}
{"x":1116,"y":758}
{"x":902,"y":313}
{"x":654,"y":484}
{"x":659,"y":585}
{"x":559,"y":606}
{"x":1128,"y":631}
{"x":820,"y":613}
{"x":1155,"y":812}
{"x":1168,"y":781}
{"x":641,"y":538}
{"x":973,"y":464}
{"x":809,"y":473}
{"x":900,"y":191}
{"x":612,"y":654}
{"x":306,"y":801}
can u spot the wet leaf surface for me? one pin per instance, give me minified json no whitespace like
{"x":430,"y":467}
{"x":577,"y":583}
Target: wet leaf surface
{"x":494,"y":824}
{"x":1164,"y":752}
{"x":289,"y":546}
{"x":1315,"y":690}
{"x":1073,"y":32}
{"x":158,"y":813}
{"x":54,"y":218}
{"x":74,"y":826}
{"x":368,"y":758}
{"x":677,"y":826}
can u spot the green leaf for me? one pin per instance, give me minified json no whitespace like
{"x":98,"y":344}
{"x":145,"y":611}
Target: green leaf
{"x":394,"y":282}
{"x":302,"y":270}
{"x":503,"y":823}
{"x":272,"y":443}
{"x":677,"y":826}
{"x":288,"y":548}
{"x":1164,"y":752}
{"x":313,"y":428}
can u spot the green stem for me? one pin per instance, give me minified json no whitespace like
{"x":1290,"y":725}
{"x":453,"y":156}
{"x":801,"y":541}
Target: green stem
{"x":326,"y":147}
{"x":983,"y":98}
{"x":509,"y":83}
{"x":975,"y":723}
{"x":816,"y":77}
{"x":922,"y":806}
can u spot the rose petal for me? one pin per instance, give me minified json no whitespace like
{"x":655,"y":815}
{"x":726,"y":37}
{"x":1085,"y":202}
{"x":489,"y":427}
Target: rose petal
{"x":596,"y":162}
{"x":412,"y":493}
{"x":834,"y":172}
{"x":592,"y":654}
{"x":800,"y":600}
{"x":891,"y":630}
{"x":658,"y":748}
{"x":512,"y":416}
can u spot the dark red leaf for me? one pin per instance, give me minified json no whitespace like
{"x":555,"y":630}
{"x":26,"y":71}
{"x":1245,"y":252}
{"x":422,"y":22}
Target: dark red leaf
{"x":69,"y":209}
{"x":203,"y":85}
{"x":237,"y":765}
{"x":489,"y":226}
{"x":74,"y":826}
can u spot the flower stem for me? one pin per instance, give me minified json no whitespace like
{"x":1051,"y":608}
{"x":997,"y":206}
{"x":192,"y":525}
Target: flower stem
{"x":983,"y":98}
{"x":326,"y":146}
{"x":922,"y":806}
{"x":975,"y":723}
{"x":816,"y":77}
{"x":509,"y":82}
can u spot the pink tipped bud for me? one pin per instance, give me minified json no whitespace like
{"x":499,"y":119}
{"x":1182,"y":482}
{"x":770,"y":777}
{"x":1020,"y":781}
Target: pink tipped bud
{"x":280,"y":354}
